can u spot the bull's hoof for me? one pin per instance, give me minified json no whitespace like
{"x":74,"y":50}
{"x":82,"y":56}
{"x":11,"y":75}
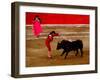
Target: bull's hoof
{"x":81,"y":55}
{"x":65,"y":58}
{"x":61,"y":55}
{"x":75,"y":55}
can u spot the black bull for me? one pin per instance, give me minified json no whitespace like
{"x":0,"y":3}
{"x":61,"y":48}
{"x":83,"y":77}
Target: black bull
{"x":68,"y":46}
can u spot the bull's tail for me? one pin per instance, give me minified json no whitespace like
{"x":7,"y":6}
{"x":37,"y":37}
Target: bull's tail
{"x":80,"y":42}
{"x":81,"y":47}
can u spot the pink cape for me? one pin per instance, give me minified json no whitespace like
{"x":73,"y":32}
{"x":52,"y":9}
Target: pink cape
{"x":37,"y":29}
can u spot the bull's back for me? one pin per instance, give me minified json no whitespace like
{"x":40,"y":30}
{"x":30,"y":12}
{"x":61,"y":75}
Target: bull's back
{"x":72,"y":45}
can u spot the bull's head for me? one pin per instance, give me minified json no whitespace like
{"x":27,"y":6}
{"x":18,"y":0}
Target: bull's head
{"x":58,"y":46}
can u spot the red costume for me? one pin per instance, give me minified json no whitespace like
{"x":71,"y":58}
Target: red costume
{"x":50,"y":39}
{"x":37,"y":29}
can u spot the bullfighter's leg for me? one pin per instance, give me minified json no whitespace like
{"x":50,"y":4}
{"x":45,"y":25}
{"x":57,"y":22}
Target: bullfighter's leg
{"x":66,"y":55}
{"x":63,"y":52}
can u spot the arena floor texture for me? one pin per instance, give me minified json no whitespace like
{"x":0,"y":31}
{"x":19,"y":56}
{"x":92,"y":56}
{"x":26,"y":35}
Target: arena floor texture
{"x":36,"y":51}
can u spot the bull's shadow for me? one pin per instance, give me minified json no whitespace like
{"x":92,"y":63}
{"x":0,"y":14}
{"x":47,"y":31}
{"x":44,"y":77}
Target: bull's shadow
{"x":68,"y":46}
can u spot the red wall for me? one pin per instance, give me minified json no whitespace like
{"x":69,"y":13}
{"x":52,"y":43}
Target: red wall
{"x":48,"y":18}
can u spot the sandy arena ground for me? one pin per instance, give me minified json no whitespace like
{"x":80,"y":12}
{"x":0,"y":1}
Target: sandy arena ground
{"x":36,"y":51}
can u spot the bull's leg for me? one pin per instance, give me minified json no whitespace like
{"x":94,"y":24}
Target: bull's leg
{"x":81,"y":50}
{"x":76,"y":52}
{"x":66,"y":55}
{"x":63,"y":52}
